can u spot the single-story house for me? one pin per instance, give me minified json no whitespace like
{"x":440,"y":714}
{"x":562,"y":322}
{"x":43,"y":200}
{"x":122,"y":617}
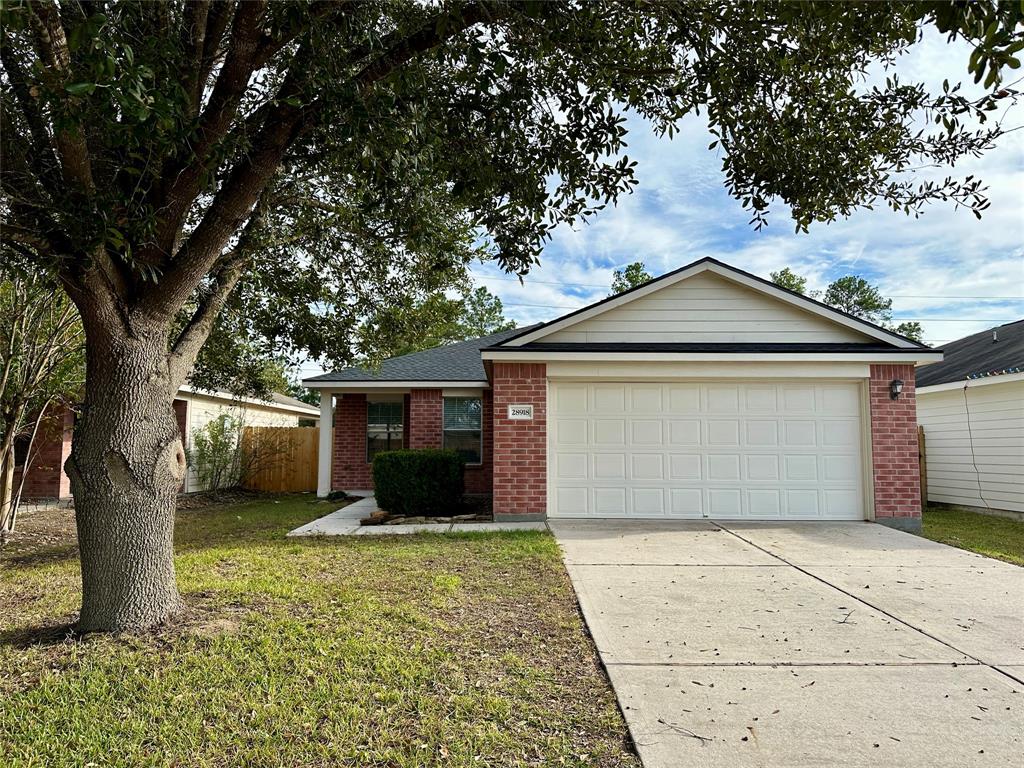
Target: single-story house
{"x":705,"y":393}
{"x":971,"y":406}
{"x":193,"y":408}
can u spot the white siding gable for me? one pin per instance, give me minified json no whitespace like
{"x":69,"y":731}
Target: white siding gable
{"x":707,"y":307}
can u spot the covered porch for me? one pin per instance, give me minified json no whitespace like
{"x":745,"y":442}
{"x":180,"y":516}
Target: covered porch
{"x":359,"y":420}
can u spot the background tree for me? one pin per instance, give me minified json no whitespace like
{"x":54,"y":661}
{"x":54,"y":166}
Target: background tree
{"x":168,"y":159}
{"x":42,"y":368}
{"x":789,"y":279}
{"x":629,"y":276}
{"x":410,"y":323}
{"x":855,"y":296}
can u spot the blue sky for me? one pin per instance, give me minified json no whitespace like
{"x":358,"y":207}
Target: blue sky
{"x":955,"y":274}
{"x":681,"y":212}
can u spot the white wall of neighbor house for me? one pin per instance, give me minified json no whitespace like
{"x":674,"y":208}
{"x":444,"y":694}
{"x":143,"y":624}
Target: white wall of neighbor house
{"x":707,"y":308}
{"x":974,"y":437}
{"x":202,"y":410}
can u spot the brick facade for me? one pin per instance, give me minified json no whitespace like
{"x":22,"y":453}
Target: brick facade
{"x":894,"y":451}
{"x":520,"y":447}
{"x":349,"y":468}
{"x":422,"y":428}
{"x":46,"y":477}
{"x":424,"y":425}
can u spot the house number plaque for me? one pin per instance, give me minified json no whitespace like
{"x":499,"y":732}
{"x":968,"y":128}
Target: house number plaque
{"x":520,"y":412}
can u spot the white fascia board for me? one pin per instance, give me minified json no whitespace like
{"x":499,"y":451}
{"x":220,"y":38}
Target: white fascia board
{"x":397,"y":386}
{"x":982,"y":381}
{"x":910,"y":356}
{"x":797,"y":301}
{"x":307,"y":410}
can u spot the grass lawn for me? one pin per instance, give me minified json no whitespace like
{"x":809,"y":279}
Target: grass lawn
{"x":997,"y":537}
{"x":393,"y":651}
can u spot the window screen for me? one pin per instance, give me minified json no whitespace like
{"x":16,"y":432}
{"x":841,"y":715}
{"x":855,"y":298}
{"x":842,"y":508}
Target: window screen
{"x":383,"y":427}
{"x":463,"y":427}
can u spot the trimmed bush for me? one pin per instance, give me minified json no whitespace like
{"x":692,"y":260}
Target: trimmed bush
{"x":425,"y":481}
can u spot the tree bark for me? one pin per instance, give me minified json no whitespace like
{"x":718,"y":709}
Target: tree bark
{"x":126,"y":466}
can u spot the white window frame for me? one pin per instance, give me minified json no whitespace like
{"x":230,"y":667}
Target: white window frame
{"x":464,"y":396}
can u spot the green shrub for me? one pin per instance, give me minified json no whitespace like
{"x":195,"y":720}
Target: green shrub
{"x":425,"y":481}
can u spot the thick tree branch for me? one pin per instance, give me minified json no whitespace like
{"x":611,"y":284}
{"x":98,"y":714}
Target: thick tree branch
{"x":52,"y":47}
{"x":192,"y":337}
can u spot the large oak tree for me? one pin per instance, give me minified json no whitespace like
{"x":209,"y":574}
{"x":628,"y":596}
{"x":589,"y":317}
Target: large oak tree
{"x":305,"y":161}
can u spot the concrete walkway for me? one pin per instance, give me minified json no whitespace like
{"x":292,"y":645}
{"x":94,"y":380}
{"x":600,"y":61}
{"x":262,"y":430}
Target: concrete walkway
{"x":345,"y":522}
{"x":850,"y":644}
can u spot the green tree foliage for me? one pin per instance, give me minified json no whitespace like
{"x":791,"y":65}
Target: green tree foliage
{"x":855,"y":296}
{"x":42,"y":371}
{"x":629,"y":276}
{"x":310,"y":162}
{"x":411,"y":324}
{"x":790,"y":280}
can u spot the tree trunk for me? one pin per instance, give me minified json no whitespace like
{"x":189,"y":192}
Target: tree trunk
{"x":6,"y":489}
{"x":126,"y":466}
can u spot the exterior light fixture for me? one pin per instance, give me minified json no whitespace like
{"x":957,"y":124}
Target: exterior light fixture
{"x":895,"y":387}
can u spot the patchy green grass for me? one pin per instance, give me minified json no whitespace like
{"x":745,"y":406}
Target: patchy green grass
{"x":391,"y":651}
{"x":997,"y":537}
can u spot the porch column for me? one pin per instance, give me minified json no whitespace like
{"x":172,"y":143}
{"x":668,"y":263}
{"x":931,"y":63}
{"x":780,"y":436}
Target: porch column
{"x":323,"y":469}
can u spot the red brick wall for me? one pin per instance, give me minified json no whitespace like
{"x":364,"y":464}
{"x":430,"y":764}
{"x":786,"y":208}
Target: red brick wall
{"x":349,"y":468}
{"x":520,"y":447}
{"x":423,"y":410}
{"x":424,"y":418}
{"x":897,"y":480}
{"x":46,"y":478}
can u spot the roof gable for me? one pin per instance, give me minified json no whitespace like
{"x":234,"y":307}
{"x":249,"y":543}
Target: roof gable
{"x":709,"y":302}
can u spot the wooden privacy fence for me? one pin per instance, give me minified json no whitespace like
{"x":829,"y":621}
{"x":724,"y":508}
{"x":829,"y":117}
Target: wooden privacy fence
{"x":280,"y":459}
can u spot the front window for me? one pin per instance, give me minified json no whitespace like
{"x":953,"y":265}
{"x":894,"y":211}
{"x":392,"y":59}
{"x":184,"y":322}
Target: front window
{"x":383,"y":427}
{"x":463,"y":432}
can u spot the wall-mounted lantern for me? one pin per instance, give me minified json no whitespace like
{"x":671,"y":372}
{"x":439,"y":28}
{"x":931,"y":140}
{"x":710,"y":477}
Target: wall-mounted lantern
{"x":895,"y":387}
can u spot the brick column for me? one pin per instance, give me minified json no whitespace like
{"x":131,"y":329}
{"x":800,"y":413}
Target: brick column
{"x":520,"y":447}
{"x":895,"y":467}
{"x":350,"y":470}
{"x":424,"y":425}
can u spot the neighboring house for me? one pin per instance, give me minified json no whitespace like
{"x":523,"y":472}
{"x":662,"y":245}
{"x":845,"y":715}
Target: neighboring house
{"x":971,"y":406}
{"x":193,"y":408}
{"x":706,"y":393}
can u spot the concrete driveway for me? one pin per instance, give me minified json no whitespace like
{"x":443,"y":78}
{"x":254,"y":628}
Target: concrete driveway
{"x":847,"y":644}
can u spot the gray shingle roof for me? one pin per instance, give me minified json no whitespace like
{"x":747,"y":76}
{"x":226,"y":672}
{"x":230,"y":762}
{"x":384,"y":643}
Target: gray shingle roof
{"x":454,"y":362}
{"x":977,"y":355}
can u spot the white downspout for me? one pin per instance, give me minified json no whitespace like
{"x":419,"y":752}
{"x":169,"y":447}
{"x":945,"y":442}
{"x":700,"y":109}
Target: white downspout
{"x":323,"y":471}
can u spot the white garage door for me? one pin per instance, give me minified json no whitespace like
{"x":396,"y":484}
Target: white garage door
{"x":787,"y":450}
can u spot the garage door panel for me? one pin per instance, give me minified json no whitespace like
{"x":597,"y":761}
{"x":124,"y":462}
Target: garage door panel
{"x":750,"y":450}
{"x":609,"y":466}
{"x":684,"y":432}
{"x":724,"y":502}
{"x":646,"y":432}
{"x":762,"y":433}
{"x":684,"y":466}
{"x":571,"y":466}
{"x":609,"y":432}
{"x":800,"y":434}
{"x":723,"y":467}
{"x":686,"y":502}
{"x":648,"y":502}
{"x":762,"y":467}
{"x":609,"y":502}
{"x":683,"y":398}
{"x":798,"y":399}
{"x":571,"y":432}
{"x":764,"y":503}
{"x":722,"y":398}
{"x":648,"y":466}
